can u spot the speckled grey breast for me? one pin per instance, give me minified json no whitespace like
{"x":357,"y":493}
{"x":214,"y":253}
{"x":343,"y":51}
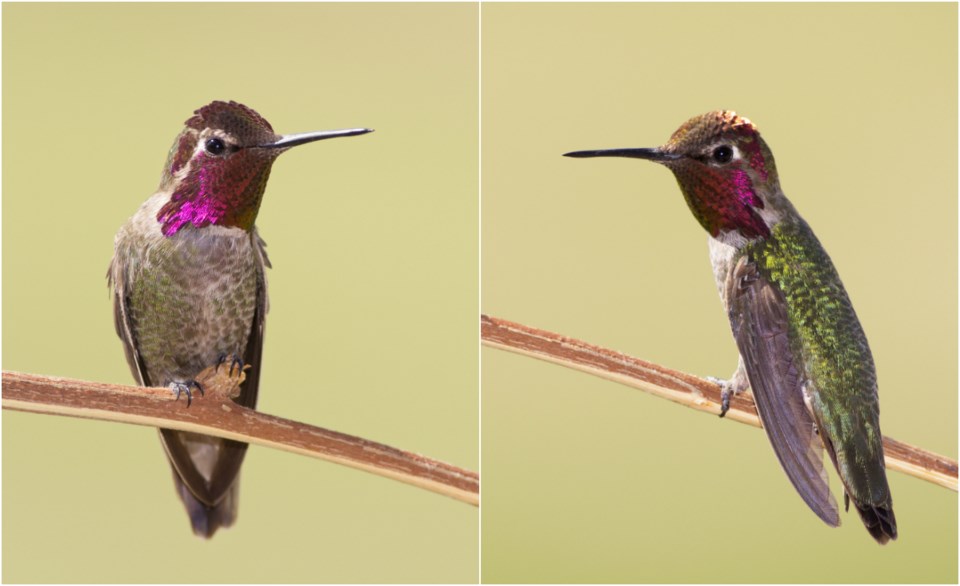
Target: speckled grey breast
{"x":192,"y":300}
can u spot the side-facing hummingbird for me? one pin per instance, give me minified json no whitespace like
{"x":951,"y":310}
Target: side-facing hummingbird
{"x":189,"y":286}
{"x":802,"y":350}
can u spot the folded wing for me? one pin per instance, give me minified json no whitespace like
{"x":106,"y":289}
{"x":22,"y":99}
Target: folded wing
{"x":758,"y":316}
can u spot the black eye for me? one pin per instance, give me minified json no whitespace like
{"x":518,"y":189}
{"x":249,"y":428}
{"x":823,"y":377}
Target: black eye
{"x":214,"y":146}
{"x":723,"y":154}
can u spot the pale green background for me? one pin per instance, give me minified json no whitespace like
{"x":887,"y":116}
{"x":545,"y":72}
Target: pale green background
{"x":587,"y":480}
{"x":372,"y":327}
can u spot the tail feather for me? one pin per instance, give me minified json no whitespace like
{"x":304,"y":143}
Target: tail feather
{"x":879,"y":521}
{"x":207,"y":519}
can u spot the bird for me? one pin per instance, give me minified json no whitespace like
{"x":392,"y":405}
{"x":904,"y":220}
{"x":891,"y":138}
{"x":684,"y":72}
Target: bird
{"x":803,"y":352}
{"x":189,"y":287}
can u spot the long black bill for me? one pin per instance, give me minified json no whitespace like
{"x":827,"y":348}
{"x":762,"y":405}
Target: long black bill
{"x":291,"y":140}
{"x":648,"y":154}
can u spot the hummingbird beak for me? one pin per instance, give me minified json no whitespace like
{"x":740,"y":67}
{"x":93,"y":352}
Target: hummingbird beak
{"x":648,"y":154}
{"x":291,"y":140}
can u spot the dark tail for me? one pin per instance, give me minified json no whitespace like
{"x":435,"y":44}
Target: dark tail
{"x":879,"y":521}
{"x":206,"y":519}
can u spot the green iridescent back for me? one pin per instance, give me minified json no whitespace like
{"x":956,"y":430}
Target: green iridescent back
{"x":825,"y":331}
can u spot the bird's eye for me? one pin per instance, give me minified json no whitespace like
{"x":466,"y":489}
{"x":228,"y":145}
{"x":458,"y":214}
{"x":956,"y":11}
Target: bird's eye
{"x":723,"y":154}
{"x":214,"y":146}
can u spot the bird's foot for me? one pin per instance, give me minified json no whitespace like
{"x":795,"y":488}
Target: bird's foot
{"x":728,"y":389}
{"x":736,"y":384}
{"x":235,"y":361}
{"x":183,"y":387}
{"x":725,"y":393}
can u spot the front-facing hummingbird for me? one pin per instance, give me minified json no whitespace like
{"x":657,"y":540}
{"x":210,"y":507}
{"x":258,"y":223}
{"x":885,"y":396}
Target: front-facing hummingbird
{"x":802,"y":350}
{"x":189,"y":285}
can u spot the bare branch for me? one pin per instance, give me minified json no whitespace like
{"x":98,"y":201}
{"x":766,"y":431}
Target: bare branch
{"x":679,"y":387}
{"x":214,"y":415}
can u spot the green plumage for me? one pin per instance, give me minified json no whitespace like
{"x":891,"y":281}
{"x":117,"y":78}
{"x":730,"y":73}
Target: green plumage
{"x":834,"y":354}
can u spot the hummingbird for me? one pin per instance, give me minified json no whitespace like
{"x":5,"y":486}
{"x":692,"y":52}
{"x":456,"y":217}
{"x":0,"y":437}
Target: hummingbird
{"x":802,"y":350}
{"x":189,"y":285}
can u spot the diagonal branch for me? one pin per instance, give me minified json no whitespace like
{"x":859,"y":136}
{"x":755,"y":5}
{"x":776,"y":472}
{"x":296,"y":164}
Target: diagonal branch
{"x":214,"y":415}
{"x":679,"y":387}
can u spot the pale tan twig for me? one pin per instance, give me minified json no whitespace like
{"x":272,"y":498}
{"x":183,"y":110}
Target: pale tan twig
{"x":214,"y":415}
{"x":679,"y":387}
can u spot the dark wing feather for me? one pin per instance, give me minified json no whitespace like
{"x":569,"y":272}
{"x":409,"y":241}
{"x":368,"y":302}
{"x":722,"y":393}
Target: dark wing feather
{"x":758,"y":316}
{"x":117,"y":281}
